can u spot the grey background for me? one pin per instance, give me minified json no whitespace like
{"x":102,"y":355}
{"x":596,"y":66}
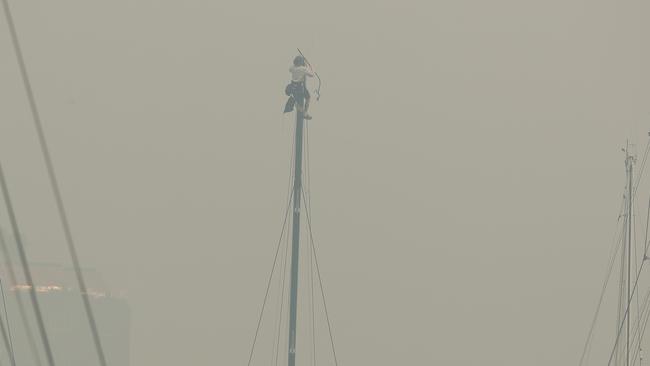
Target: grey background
{"x":465,"y":160}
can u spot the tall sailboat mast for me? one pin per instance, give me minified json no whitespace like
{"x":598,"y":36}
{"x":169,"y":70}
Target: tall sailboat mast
{"x":295,"y":239}
{"x":629,"y":164}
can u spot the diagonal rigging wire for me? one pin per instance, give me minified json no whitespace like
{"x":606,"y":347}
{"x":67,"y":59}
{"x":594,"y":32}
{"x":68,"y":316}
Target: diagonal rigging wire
{"x":54,"y":183}
{"x":646,"y":316}
{"x":268,"y":285}
{"x":320,"y":280}
{"x":636,"y":264}
{"x":627,"y":310}
{"x":20,"y":301}
{"x":26,"y":270}
{"x":6,"y":334}
{"x":8,"y":343}
{"x":307,"y":188}
{"x":638,"y":275}
{"x":283,"y":279}
{"x":275,"y":356}
{"x":640,"y":332}
{"x":643,"y":162}
{"x":612,"y":260}
{"x":640,"y":328}
{"x":275,"y":260}
{"x":617,"y":239}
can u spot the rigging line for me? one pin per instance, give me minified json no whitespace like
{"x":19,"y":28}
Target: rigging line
{"x":7,"y":334}
{"x":621,"y":288}
{"x":645,"y":241}
{"x":643,"y":162}
{"x":19,"y":300}
{"x":636,"y":338}
{"x":646,"y":305}
{"x":7,"y":342}
{"x":645,"y":322}
{"x":313,"y":317}
{"x":636,"y":243}
{"x":618,"y":234}
{"x":275,"y":349}
{"x":311,"y":260}
{"x":638,"y":331}
{"x":276,"y":355}
{"x":627,"y":310}
{"x":329,"y":324}
{"x":285,"y":265}
{"x":27,"y":272}
{"x":268,"y":286}
{"x":55,"y":184}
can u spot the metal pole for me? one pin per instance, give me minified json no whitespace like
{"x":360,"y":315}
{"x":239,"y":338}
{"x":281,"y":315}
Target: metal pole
{"x":629,"y":253}
{"x":295,"y":240}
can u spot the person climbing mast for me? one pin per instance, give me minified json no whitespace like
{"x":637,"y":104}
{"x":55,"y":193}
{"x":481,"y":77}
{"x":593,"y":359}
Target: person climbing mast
{"x":297,"y":89}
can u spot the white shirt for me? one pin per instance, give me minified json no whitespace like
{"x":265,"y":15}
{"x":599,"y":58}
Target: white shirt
{"x":298,"y":73}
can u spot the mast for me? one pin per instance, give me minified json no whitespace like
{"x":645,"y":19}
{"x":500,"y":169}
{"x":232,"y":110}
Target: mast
{"x":295,"y":239}
{"x":629,"y":161}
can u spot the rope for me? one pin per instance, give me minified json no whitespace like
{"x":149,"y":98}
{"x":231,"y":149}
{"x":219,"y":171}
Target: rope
{"x":54,"y":183}
{"x":275,"y":259}
{"x":9,"y":343}
{"x":627,"y":310}
{"x":19,"y":299}
{"x":311,"y":259}
{"x":646,"y":315}
{"x":320,"y":280}
{"x":283,"y":281}
{"x":643,"y":162}
{"x":637,"y":335}
{"x":617,"y":239}
{"x":613,"y":257}
{"x":268,"y":285}
{"x":26,"y":270}
{"x":636,"y":243}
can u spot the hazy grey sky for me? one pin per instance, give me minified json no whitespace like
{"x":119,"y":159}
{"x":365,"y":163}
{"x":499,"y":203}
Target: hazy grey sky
{"x":465,"y":164}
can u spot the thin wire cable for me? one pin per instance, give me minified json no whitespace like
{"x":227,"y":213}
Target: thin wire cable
{"x":311,"y":259}
{"x":627,"y":310}
{"x":641,"y":170}
{"x":636,"y":265}
{"x":329,"y":324}
{"x":629,"y":296}
{"x":7,"y":344}
{"x":285,"y":266}
{"x":646,"y":303}
{"x":645,"y":322}
{"x":31,"y":341}
{"x":645,"y":241}
{"x":26,"y":270}
{"x":55,"y":184}
{"x":621,"y":292}
{"x":312,"y":302}
{"x":635,"y":340}
{"x":618,"y":235}
{"x":12,"y":354}
{"x":275,"y":259}
{"x":637,"y":334}
{"x":268,"y":286}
